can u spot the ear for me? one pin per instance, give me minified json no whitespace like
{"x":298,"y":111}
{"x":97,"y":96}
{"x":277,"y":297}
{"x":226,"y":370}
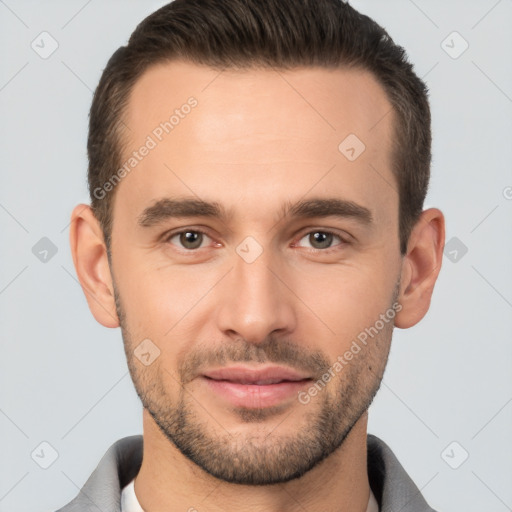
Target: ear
{"x":420,"y":267}
{"x":91,"y":264}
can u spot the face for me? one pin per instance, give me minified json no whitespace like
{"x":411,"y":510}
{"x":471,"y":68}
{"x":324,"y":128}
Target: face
{"x":244,"y":239}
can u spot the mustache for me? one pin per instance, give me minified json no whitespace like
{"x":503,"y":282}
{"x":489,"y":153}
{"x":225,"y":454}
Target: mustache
{"x":272,"y":350}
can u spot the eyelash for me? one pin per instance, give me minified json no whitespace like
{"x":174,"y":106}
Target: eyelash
{"x":343,"y":241}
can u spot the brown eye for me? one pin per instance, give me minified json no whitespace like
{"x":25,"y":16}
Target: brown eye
{"x":189,"y":239}
{"x":321,"y":240}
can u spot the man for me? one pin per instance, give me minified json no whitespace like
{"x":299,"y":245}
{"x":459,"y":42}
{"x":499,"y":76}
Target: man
{"x":257,"y":171}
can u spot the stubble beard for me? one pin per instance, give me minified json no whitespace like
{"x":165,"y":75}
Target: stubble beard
{"x":268,"y":455}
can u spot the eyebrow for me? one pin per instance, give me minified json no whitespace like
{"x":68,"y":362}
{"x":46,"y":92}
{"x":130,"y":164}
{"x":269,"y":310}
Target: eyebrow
{"x":168,"y":208}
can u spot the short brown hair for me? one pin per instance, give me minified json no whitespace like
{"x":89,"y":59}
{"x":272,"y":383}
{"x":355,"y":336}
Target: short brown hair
{"x":280,"y":34}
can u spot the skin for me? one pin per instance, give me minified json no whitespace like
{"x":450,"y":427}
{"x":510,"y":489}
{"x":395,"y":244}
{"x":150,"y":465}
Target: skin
{"x":255,"y":140}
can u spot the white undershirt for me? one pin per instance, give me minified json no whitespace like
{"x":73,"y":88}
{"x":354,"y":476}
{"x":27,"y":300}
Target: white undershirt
{"x":130,"y":503}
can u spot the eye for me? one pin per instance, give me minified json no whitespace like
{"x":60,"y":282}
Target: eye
{"x":193,"y":239}
{"x":190,"y":239}
{"x":322,"y":239}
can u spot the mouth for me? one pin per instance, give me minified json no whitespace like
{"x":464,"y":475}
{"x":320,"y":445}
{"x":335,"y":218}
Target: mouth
{"x":258,"y":376}
{"x":255,"y":388}
{"x":263,"y":382}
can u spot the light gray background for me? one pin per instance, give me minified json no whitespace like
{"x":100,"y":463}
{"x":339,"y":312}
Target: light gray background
{"x":64,"y":378}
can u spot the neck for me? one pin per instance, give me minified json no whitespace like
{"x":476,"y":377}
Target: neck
{"x":167,"y":480}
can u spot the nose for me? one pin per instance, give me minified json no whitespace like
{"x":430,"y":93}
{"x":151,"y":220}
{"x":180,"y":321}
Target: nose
{"x":255,"y":301}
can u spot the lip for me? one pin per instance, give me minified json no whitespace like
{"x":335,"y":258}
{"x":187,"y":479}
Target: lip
{"x":247,"y":375}
{"x":255,"y":388}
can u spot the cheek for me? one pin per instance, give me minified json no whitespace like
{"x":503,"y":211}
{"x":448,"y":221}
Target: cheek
{"x":346,"y":299}
{"x":161,"y":300}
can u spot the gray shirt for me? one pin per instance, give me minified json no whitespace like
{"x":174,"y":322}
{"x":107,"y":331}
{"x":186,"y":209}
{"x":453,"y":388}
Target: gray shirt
{"x":391,"y":485}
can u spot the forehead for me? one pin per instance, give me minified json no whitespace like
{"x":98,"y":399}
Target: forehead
{"x":332,"y":100}
{"x":257,"y":130}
